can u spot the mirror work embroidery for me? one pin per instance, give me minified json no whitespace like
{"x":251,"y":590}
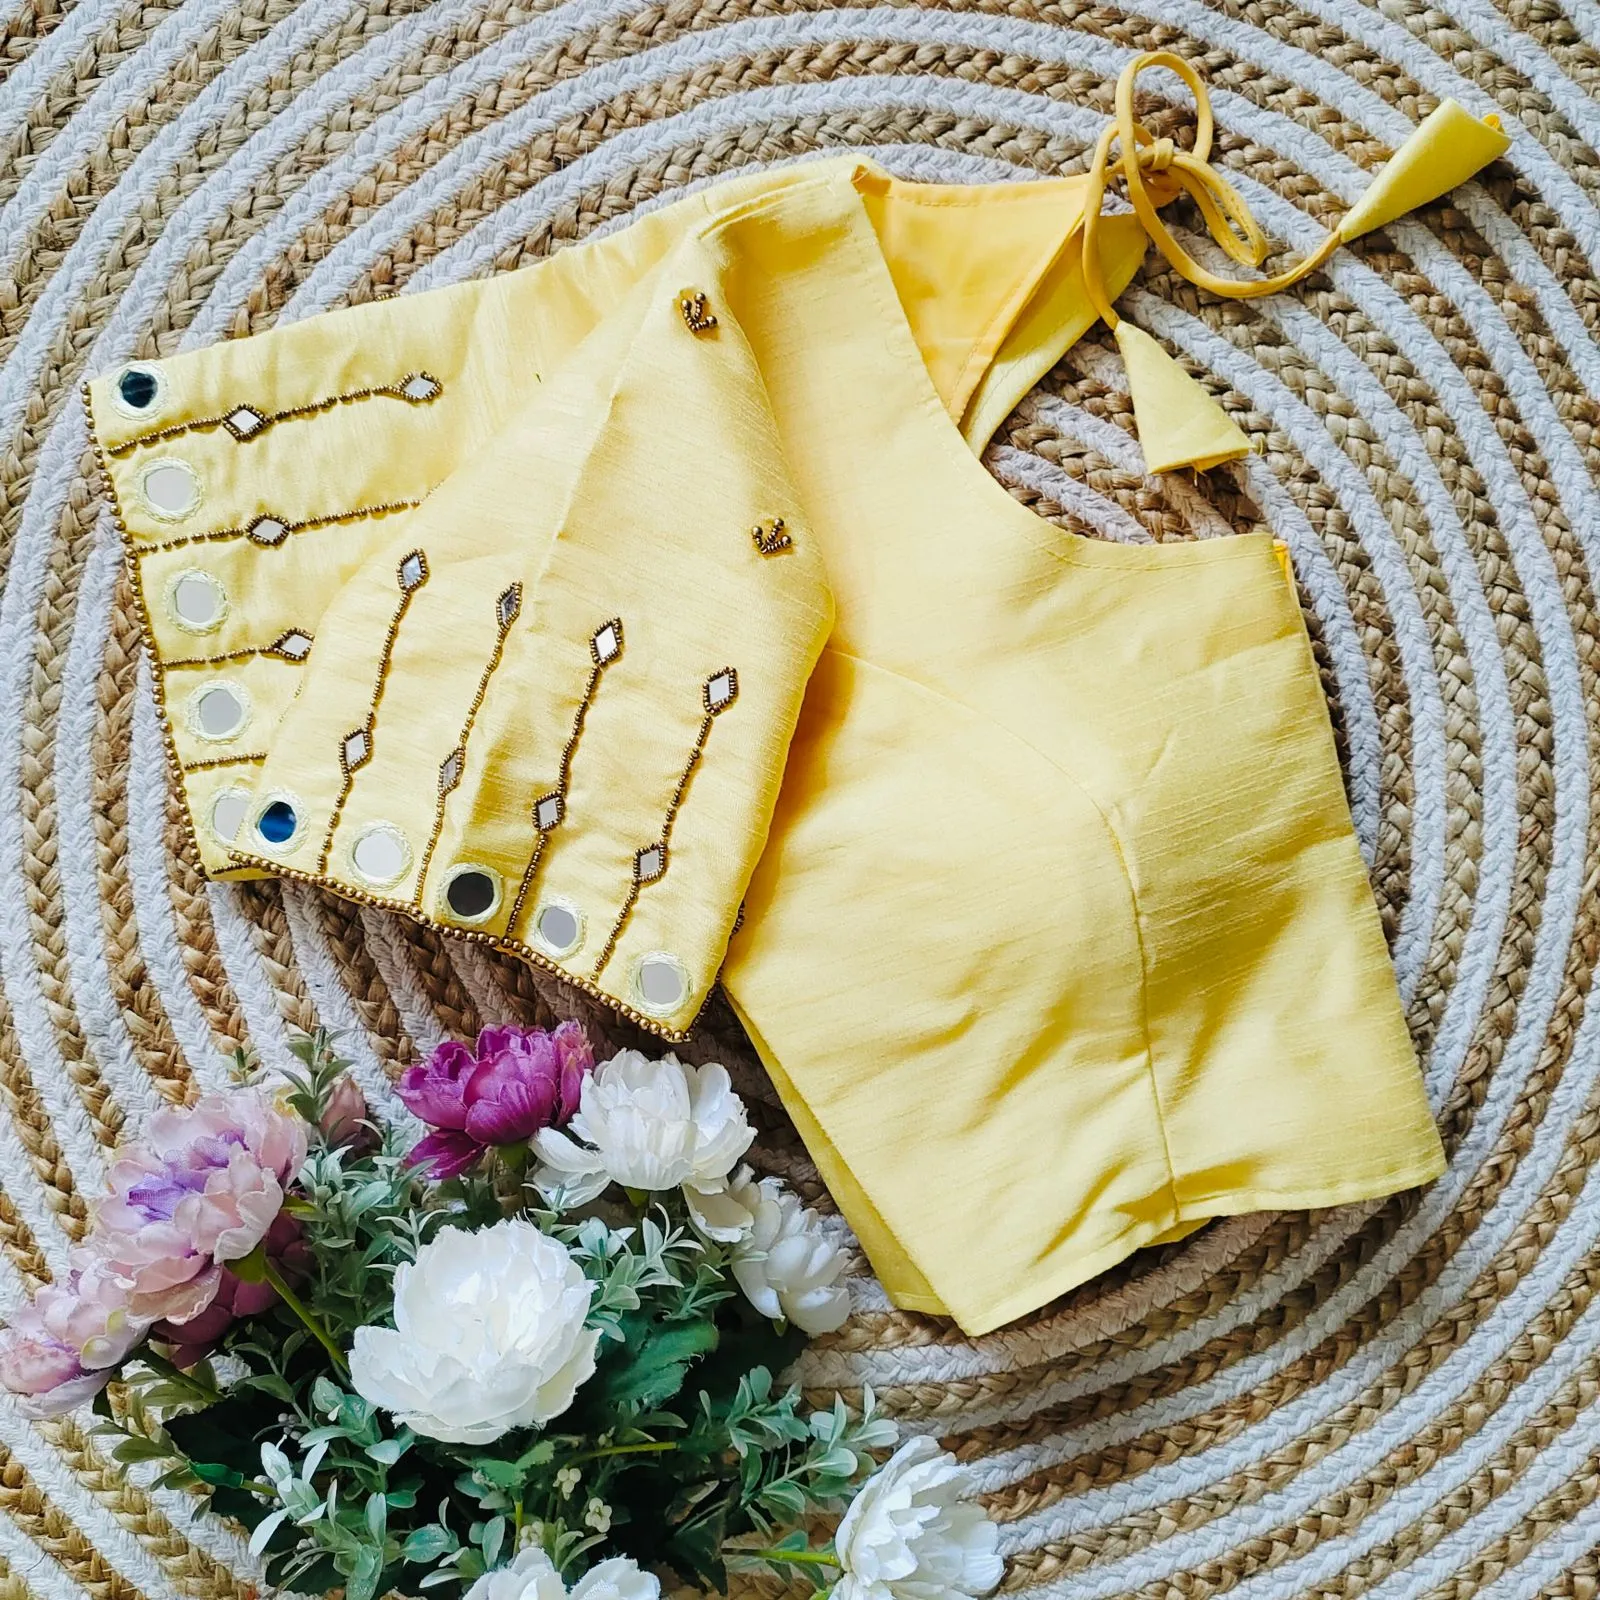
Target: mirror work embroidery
{"x":247,"y":422}
{"x":717,"y":693}
{"x":605,"y":646}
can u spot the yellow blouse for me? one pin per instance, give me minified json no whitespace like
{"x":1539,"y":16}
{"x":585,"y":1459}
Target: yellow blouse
{"x":577,"y":609}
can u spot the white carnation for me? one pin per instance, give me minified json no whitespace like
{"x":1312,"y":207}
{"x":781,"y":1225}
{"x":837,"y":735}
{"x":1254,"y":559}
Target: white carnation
{"x":784,"y":1263}
{"x":909,"y":1534}
{"x":652,"y":1125}
{"x":488,"y":1336}
{"x":533,"y":1576}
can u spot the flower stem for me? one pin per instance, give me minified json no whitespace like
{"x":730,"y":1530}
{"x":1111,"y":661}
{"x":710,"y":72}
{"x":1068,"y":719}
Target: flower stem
{"x":800,"y":1558}
{"x":301,"y":1310}
{"x":653,"y":1448}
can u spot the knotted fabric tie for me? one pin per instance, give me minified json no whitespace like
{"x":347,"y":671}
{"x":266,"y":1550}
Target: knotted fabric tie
{"x":1155,"y":172}
{"x":1179,"y":423}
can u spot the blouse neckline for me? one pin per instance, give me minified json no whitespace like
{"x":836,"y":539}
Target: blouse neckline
{"x":940,"y":443}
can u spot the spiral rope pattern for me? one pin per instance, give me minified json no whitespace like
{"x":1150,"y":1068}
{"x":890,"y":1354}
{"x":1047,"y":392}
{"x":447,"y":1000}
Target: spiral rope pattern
{"x":1388,"y":1400}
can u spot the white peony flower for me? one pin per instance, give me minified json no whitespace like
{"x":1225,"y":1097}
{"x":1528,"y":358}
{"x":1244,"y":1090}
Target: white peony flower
{"x":784,"y":1264}
{"x":488,"y":1336}
{"x":909,"y":1534}
{"x":533,"y":1576}
{"x":652,"y":1125}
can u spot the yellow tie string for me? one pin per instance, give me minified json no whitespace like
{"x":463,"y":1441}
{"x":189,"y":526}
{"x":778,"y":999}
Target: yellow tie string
{"x":1155,"y":172}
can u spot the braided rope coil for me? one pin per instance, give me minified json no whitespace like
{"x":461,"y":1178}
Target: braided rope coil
{"x":1390,"y":1400}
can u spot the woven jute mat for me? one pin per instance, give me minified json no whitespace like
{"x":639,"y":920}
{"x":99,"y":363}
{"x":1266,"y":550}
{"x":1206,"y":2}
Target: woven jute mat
{"x":1387,"y":1400}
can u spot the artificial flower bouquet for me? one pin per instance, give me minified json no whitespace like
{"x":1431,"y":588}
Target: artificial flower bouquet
{"x":520,"y":1348}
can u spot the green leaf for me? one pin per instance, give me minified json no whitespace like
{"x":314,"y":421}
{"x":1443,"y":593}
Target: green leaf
{"x":316,"y":1576}
{"x":326,"y":1396}
{"x":322,"y":1435}
{"x":359,"y":1418}
{"x":502,"y":1474}
{"x":828,"y":1426}
{"x":135,"y":1449}
{"x":301,"y":1500}
{"x":428,"y":1544}
{"x":494,"y":1536}
{"x":270,"y":1383}
{"x":696,"y":1547}
{"x":364,"y":1578}
{"x":838,"y":1462}
{"x":786,"y":1500}
{"x":653,"y":1370}
{"x":268,"y":1526}
{"x":388,"y":1451}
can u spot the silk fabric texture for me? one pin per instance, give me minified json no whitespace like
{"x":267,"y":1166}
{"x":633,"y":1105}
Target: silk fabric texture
{"x":655,"y":594}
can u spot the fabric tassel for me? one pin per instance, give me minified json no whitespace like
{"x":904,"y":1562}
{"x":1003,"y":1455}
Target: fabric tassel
{"x":1179,"y":424}
{"x":1449,"y":147}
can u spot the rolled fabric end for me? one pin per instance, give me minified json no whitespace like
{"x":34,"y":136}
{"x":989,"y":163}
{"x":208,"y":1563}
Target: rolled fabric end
{"x":1180,"y":425}
{"x":1450,"y":146}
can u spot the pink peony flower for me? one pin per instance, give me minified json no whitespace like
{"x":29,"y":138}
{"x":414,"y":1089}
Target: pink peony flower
{"x":199,"y":1335}
{"x":202,"y":1188}
{"x":344,"y":1121}
{"x":59,"y":1351}
{"x":516,"y":1082}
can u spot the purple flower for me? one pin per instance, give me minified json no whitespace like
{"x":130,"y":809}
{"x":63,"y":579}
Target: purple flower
{"x":59,"y":1351}
{"x":202,"y":1187}
{"x":516,"y":1082}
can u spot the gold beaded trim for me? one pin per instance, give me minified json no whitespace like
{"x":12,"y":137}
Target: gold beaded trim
{"x":360,"y":513}
{"x":283,"y":648}
{"x":605,"y":646}
{"x":507,"y":608}
{"x":410,"y":574}
{"x":717,"y":693}
{"x":514,"y":947}
{"x":254,"y":759}
{"x":246,"y":423}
